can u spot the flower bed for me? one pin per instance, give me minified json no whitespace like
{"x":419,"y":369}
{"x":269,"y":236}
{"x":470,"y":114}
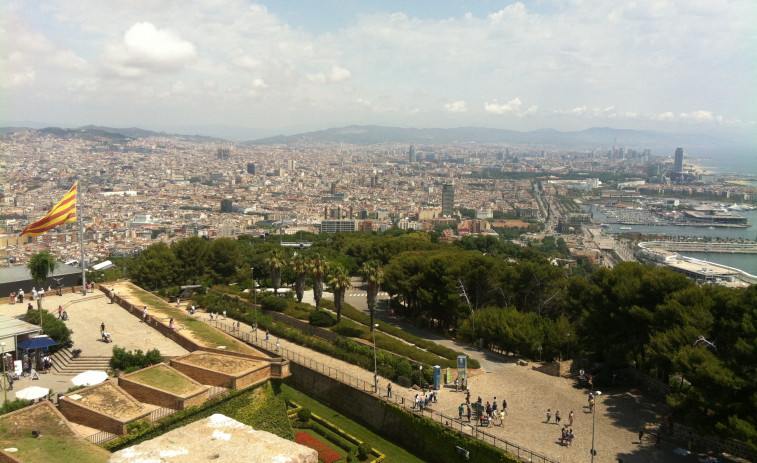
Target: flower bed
{"x":325,"y":453}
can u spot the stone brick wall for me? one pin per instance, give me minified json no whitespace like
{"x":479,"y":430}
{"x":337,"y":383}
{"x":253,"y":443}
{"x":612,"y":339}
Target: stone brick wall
{"x":554,"y":368}
{"x":680,"y":434}
{"x":203,"y":375}
{"x":82,"y":415}
{"x":7,"y":458}
{"x":645,"y":382}
{"x":260,"y":374}
{"x":161,"y":398}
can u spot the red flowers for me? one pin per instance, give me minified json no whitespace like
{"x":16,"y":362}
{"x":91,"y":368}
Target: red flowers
{"x":325,"y":453}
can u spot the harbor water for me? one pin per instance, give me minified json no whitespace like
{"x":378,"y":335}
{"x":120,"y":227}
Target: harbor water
{"x":745,"y":262}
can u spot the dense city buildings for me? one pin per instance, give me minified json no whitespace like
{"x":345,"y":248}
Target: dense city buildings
{"x":137,"y":191}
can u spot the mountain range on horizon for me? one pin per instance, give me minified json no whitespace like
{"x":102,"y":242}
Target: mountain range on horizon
{"x":596,"y":137}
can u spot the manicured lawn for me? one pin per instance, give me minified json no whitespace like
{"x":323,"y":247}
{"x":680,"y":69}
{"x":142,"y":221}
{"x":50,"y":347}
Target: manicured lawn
{"x":203,"y":332}
{"x":392,"y":451}
{"x":56,"y":443}
{"x":165,"y":379}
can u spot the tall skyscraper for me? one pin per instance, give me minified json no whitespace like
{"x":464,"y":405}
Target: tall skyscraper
{"x":251,"y":169}
{"x":227,"y":205}
{"x":678,"y":166}
{"x":448,"y":199}
{"x":411,"y":154}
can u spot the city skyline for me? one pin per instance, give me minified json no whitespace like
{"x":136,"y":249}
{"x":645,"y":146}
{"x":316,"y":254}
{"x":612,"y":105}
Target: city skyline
{"x":278,"y":67}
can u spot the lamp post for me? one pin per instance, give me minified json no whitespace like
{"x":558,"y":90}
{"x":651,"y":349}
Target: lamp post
{"x":593,"y":419}
{"x":375,"y":367}
{"x":2,"y":356}
{"x":255,"y":301}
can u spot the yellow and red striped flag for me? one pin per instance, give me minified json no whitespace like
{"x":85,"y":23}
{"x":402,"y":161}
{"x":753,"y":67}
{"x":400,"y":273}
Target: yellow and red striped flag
{"x":63,"y":212}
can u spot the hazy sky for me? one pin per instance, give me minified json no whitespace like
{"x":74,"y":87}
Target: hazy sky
{"x":688,"y":65}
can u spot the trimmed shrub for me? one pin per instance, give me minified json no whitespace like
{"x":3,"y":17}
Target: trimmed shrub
{"x":304,"y":415}
{"x":321,"y":318}
{"x":127,"y":360}
{"x":363,"y":451}
{"x":273,"y":303}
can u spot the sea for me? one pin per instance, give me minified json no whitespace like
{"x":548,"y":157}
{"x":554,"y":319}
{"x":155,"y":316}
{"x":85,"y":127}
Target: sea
{"x":740,"y":161}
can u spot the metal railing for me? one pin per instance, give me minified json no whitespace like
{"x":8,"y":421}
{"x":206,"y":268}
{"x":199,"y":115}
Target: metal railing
{"x":456,"y":424}
{"x":101,"y":437}
{"x":162,"y":412}
{"x":216,"y":391}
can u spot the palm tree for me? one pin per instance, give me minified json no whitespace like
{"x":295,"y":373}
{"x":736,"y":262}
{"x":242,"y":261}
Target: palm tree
{"x":372,"y":274}
{"x":41,"y":265}
{"x":300,"y":266}
{"x":319,"y":268}
{"x":276,"y":260}
{"x":339,"y":282}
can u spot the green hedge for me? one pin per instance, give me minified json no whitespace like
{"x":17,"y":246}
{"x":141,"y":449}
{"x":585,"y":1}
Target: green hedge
{"x":434,"y":442}
{"x":430,"y":346}
{"x":343,"y":348}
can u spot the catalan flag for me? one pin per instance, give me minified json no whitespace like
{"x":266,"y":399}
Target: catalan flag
{"x":63,"y":212}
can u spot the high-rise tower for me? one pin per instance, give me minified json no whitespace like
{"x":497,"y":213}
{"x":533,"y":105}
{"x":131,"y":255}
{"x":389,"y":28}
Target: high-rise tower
{"x":678,"y":166}
{"x":411,"y":154}
{"x":448,"y":199}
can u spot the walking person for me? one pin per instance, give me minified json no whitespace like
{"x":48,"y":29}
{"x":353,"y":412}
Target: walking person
{"x":557,"y":417}
{"x":570,"y":418}
{"x":144,"y":315}
{"x":460,"y":412}
{"x":389,"y":390}
{"x":504,"y":406}
{"x":549,"y":415}
{"x":60,"y":312}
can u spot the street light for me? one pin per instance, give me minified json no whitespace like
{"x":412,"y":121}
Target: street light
{"x":2,"y":356}
{"x":255,"y":303}
{"x":375,"y":368}
{"x":593,"y":416}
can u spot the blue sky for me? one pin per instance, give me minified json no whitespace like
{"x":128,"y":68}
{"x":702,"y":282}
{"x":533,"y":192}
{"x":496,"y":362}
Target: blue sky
{"x":672,"y":65}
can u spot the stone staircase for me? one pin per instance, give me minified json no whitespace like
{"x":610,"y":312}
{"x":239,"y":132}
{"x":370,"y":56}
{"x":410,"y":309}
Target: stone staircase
{"x":64,"y":363}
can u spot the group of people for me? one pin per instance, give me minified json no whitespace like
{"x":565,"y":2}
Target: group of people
{"x":558,"y":417}
{"x":35,"y":294}
{"x":422,"y":402}
{"x":566,"y":433}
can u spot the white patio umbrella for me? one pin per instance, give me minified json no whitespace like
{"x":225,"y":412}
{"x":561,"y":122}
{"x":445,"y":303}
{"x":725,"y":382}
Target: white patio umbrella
{"x":32,"y":393}
{"x":89,"y":378}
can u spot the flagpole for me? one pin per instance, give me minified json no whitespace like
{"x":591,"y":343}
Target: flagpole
{"x":79,"y":214}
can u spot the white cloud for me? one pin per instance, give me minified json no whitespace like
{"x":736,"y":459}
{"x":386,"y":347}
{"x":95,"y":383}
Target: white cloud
{"x":335,"y":74}
{"x":568,"y":56}
{"x":145,"y":48}
{"x":456,"y":107}
{"x":666,"y":116}
{"x":514,"y":106}
{"x":699,"y":116}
